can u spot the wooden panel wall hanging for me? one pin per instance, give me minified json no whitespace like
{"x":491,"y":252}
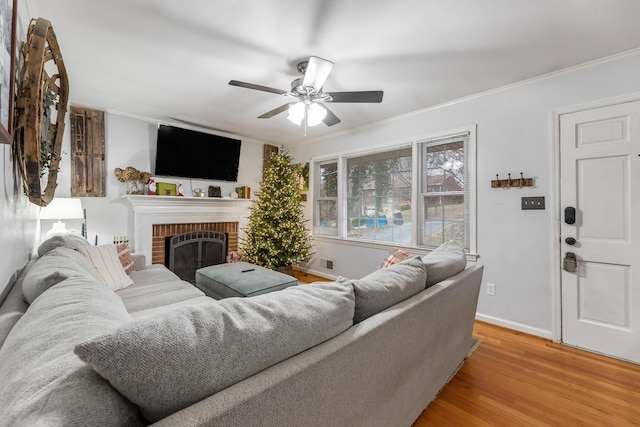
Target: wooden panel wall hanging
{"x":269,"y":150}
{"x":41,"y":108}
{"x":8,"y":70}
{"x":87,"y":152}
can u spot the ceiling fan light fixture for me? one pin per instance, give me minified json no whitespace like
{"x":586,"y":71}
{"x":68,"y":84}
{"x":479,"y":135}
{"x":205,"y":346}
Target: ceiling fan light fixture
{"x":296,"y":113}
{"x":310,"y":113}
{"x":315,"y":114}
{"x":308,"y":107}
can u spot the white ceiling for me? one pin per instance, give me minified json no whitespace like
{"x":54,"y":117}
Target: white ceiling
{"x":163,"y":59}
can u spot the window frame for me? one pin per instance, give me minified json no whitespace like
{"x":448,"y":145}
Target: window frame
{"x":341,"y":159}
{"x":344,"y":179}
{"x":315,"y":168}
{"x":424,"y":194}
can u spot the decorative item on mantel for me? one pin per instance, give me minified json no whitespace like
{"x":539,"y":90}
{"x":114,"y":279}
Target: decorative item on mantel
{"x":153,"y":187}
{"x":511,"y":183}
{"x":135,"y":179}
{"x":121,"y":240}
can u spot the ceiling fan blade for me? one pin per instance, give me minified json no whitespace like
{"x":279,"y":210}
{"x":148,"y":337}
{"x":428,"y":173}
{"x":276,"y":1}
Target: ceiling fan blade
{"x":365,"y":96}
{"x":275,"y":111}
{"x":257,"y":87}
{"x":330,"y":119}
{"x":317,"y":71}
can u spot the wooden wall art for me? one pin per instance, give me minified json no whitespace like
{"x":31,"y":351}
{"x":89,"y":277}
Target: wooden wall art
{"x":87,"y":152}
{"x":269,"y":150}
{"x":41,"y":107}
{"x":7,"y":73}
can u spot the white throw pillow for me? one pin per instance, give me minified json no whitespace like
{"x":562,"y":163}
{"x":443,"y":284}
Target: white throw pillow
{"x":106,"y":261}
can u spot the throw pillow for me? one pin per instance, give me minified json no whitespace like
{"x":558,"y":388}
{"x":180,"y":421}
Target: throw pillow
{"x":41,"y":381}
{"x":106,"y":261}
{"x":124,"y":254}
{"x":70,"y":241}
{"x":444,"y":261}
{"x":57,"y":265}
{"x":394,"y":257}
{"x":388,"y":286}
{"x":166,"y":363}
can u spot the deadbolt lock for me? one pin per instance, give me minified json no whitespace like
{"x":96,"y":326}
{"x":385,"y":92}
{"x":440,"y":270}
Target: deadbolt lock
{"x":570,"y":262}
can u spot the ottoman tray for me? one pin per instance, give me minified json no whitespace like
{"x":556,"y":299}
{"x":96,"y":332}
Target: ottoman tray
{"x":240,"y":279}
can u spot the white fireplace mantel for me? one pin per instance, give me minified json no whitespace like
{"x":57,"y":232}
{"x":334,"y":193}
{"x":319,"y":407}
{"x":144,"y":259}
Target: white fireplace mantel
{"x":150,"y":210}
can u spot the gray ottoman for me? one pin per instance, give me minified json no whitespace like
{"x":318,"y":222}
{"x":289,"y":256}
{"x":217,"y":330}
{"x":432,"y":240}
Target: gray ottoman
{"x":240,"y":279}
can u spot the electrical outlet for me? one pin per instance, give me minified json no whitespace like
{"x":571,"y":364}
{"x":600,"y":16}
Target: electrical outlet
{"x":491,"y":289}
{"x":326,"y":263}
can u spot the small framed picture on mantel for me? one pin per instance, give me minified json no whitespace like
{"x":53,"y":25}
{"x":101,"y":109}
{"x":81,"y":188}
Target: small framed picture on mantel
{"x":244,"y":192}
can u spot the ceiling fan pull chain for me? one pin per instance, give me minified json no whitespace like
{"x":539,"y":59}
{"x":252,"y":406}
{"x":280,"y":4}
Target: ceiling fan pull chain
{"x":306,"y":108}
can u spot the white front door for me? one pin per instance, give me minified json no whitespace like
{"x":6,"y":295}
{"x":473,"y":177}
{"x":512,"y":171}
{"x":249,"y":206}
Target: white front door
{"x":600,"y":179}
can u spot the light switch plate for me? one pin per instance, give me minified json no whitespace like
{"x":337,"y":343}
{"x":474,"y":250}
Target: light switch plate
{"x":532,"y":203}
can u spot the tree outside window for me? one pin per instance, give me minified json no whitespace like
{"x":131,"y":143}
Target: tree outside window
{"x":326,"y":201}
{"x":443,"y":192}
{"x":378,"y":196}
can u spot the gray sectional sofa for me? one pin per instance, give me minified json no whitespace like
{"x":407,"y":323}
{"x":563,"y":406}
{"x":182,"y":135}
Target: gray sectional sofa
{"x":372,"y":352}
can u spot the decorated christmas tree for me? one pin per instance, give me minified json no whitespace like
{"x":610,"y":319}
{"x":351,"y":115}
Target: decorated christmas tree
{"x":276,"y":234}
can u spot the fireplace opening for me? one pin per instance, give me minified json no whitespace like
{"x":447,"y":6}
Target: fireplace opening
{"x":187,"y":252}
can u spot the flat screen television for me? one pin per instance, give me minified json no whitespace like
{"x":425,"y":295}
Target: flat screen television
{"x":187,"y":153}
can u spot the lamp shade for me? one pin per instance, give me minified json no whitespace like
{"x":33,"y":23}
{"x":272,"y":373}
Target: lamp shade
{"x":311,"y":114}
{"x":62,"y":208}
{"x":315,"y":114}
{"x":296,"y":113}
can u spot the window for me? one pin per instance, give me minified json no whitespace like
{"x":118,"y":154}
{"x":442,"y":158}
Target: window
{"x":378,"y":196}
{"x":443,"y":192}
{"x":325,"y":218}
{"x":416,"y":194}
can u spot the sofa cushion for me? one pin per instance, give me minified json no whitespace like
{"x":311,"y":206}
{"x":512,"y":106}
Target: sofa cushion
{"x":444,"y":261}
{"x":106,"y":261}
{"x":42,"y":382}
{"x":388,"y":286}
{"x":156,"y":286}
{"x":54,"y":267}
{"x":166,"y":363}
{"x":70,"y":241}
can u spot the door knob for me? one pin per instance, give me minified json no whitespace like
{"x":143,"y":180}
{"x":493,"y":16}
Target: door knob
{"x":570,"y":241}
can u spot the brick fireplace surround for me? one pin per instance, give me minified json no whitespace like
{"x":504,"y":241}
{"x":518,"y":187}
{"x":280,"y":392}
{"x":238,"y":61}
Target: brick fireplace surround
{"x":156,"y":217}
{"x":162,"y":231}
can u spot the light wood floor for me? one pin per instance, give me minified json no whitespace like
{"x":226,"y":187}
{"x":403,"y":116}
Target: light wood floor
{"x":308,"y":278}
{"x":515,"y":380}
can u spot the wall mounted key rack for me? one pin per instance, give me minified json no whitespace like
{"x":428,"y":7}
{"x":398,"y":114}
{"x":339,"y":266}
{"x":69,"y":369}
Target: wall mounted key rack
{"x":511,"y":183}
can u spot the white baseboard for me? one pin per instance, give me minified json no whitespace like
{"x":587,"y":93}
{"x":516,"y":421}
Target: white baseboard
{"x":322,"y":274}
{"x":515,"y":326}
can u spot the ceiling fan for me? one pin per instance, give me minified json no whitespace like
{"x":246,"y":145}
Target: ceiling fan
{"x":309,"y":98}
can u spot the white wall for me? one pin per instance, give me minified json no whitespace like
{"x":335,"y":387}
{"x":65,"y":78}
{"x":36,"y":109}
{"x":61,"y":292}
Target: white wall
{"x":131,"y":142}
{"x":18,"y":216}
{"x":515,"y":133}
